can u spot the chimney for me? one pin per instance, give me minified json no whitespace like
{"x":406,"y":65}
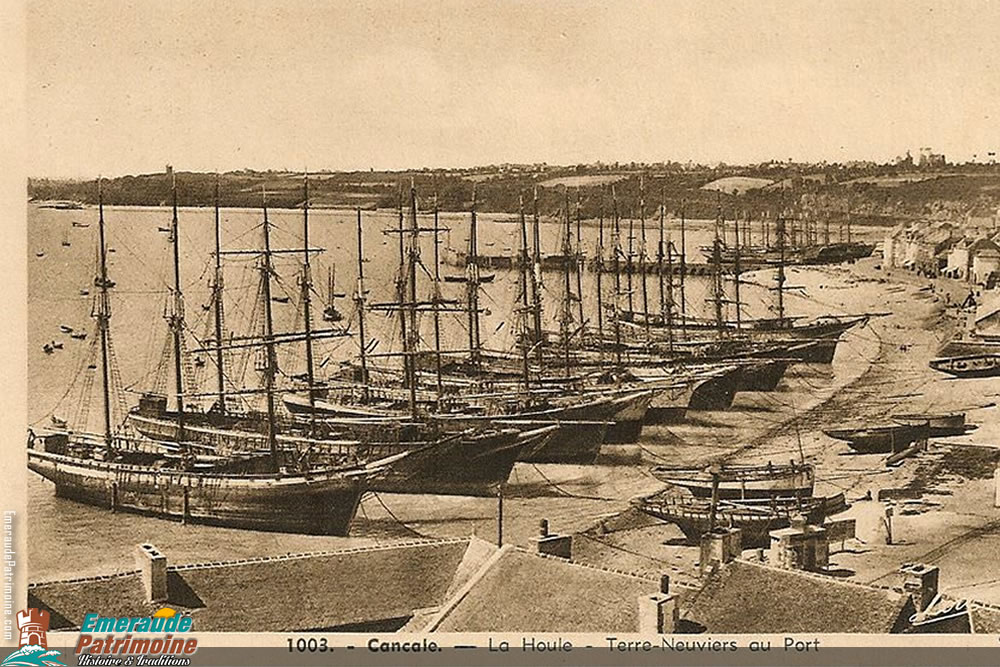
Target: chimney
{"x":658,"y":614}
{"x":720,"y":546}
{"x":152,"y":565}
{"x":921,"y":582}
{"x":553,"y":544}
{"x":801,"y":546}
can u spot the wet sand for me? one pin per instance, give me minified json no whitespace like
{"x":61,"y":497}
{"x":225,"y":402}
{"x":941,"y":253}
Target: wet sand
{"x":879,"y":369}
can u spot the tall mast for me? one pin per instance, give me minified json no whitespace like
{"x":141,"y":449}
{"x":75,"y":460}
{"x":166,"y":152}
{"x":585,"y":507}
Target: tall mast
{"x":411,"y":265}
{"x":306,"y":302}
{"x":437,"y":303}
{"x":579,"y":261}
{"x":359,"y":298}
{"x":217,"y":291}
{"x":717,"y":288}
{"x":737,"y":269}
{"x":683,"y":269}
{"x":617,"y":243}
{"x":779,"y":231}
{"x":177,"y":316}
{"x":599,"y":268}
{"x":629,"y":263}
{"x":670,"y":295}
{"x":408,"y":377}
{"x":271,"y":363}
{"x":536,"y":287}
{"x":472,"y":286}
{"x":666,"y":300}
{"x":660,"y":250}
{"x":103,"y":320}
{"x":643,"y":256}
{"x":525,"y":305}
{"x":566,"y":317}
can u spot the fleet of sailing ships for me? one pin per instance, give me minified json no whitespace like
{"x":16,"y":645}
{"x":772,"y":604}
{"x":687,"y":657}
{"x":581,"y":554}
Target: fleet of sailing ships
{"x":447,"y":421}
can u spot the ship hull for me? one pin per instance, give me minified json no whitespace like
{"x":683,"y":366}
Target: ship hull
{"x":764,"y":376}
{"x":881,"y":439}
{"x":694,"y":520}
{"x":715,"y":393}
{"x":752,"y":482}
{"x":626,"y":414}
{"x":318,"y":504}
{"x":463,"y":466}
{"x":973,"y":366}
{"x":474,"y":464}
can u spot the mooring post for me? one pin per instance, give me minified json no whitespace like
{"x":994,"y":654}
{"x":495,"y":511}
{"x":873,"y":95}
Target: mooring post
{"x":499,"y":515}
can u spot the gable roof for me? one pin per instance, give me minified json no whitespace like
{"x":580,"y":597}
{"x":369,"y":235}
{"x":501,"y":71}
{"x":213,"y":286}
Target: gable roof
{"x":984,"y":244}
{"x":524,"y":592}
{"x":293,"y":592}
{"x":745,"y":597}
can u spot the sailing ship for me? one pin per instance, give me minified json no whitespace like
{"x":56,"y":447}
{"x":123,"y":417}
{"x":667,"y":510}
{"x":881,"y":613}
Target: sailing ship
{"x":476,"y":459}
{"x":266,"y":492}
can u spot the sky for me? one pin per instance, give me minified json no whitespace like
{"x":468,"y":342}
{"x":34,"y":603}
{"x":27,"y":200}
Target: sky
{"x":128,"y":86}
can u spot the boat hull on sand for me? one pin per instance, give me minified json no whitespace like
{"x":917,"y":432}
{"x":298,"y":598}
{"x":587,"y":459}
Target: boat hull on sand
{"x":756,"y":523}
{"x":972,"y":366}
{"x":881,"y":439}
{"x":475,"y":462}
{"x":318,"y":503}
{"x":742,"y":482}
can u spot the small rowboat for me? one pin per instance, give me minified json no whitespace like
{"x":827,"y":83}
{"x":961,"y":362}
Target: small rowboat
{"x":743,"y":481}
{"x":972,"y":366}
{"x":461,"y":278}
{"x":941,"y":424}
{"x":65,"y":329}
{"x":881,"y":439}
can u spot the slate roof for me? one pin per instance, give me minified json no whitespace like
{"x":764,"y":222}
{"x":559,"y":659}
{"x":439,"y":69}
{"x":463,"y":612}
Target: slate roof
{"x":985,"y":619}
{"x":745,"y":597}
{"x":523,"y":592}
{"x":286,"y":593}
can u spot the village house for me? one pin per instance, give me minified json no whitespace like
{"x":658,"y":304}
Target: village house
{"x":469,"y":585}
{"x":985,"y":256}
{"x":930,"y":256}
{"x":893,"y":247}
{"x":959,"y":264}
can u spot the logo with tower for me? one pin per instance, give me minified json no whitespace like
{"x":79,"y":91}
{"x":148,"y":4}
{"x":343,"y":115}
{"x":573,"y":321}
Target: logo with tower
{"x":33,"y":625}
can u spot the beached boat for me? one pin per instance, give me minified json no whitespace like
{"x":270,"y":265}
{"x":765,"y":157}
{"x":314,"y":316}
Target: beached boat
{"x":476,"y":460}
{"x":275,"y":491}
{"x":972,"y":366}
{"x":320,"y":501}
{"x":881,"y":439}
{"x":939,"y":424}
{"x":742,"y":481}
{"x":755,"y":519}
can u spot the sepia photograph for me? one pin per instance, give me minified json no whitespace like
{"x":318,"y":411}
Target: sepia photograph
{"x":376,"y":324}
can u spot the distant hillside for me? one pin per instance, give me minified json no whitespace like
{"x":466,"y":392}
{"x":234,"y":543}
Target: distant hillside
{"x":876,"y":194}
